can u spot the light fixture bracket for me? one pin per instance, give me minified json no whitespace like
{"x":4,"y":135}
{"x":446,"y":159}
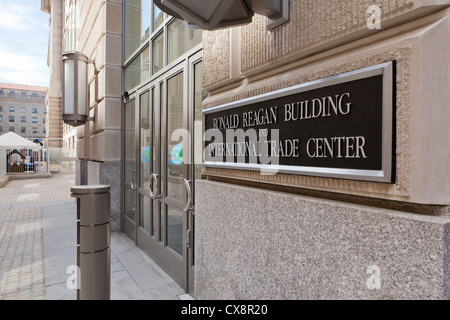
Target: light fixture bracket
{"x":280,"y":17}
{"x":216,"y":14}
{"x":75,"y":97}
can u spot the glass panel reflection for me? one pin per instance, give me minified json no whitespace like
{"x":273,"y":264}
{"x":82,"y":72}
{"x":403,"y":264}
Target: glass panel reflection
{"x":144,"y":212}
{"x":137,"y":24}
{"x":181,"y":39}
{"x":144,"y":172}
{"x":175,"y":229}
{"x":130,"y":145}
{"x":158,"y":17}
{"x":137,"y":71}
{"x":174,"y":150}
{"x":130,"y":204}
{"x":158,"y":53}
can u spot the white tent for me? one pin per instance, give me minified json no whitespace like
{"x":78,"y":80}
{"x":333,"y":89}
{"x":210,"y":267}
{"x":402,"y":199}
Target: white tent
{"x":12,"y":140}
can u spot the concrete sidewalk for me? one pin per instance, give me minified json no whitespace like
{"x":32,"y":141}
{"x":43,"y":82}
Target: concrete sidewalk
{"x":38,"y":244}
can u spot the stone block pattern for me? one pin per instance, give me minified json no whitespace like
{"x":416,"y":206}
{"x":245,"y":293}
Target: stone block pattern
{"x":21,"y":255}
{"x":270,"y":245}
{"x":216,"y":53}
{"x":312,"y":23}
{"x":100,"y":38}
{"x":400,"y":189}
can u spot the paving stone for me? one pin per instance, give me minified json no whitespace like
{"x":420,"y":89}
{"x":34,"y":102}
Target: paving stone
{"x":38,"y":243}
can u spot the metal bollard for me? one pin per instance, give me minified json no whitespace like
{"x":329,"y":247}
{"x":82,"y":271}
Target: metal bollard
{"x":93,"y":241}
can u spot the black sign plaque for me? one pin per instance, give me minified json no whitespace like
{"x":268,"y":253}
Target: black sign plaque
{"x":339,"y":127}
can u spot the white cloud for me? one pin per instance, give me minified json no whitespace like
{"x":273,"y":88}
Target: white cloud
{"x":24,"y":43}
{"x":14,"y":17}
{"x":23,"y":68}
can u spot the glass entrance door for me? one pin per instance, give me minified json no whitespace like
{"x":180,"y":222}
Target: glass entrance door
{"x":159,"y":196}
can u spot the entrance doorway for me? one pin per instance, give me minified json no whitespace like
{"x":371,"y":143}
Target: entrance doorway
{"x":162,"y":160}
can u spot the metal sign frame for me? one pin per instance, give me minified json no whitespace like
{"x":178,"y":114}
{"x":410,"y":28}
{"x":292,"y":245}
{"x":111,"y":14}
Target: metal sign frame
{"x":385,"y":175}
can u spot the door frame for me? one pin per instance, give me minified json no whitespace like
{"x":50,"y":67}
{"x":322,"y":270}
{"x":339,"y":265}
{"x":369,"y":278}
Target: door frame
{"x":189,"y":172}
{"x":164,"y":256}
{"x":127,"y":224}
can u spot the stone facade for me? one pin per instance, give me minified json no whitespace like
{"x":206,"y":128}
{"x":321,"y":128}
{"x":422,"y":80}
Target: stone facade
{"x":53,"y":102}
{"x":23,"y":110}
{"x":321,"y":247}
{"x":99,"y":36}
{"x":93,"y":27}
{"x":274,"y":245}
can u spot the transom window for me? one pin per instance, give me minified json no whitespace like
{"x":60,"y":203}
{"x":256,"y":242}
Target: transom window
{"x":153,"y":40}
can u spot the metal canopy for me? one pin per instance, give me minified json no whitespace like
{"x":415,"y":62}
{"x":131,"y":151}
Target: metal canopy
{"x":215,"y":14}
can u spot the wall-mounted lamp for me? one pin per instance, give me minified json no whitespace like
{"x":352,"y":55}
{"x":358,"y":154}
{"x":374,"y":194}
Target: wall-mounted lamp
{"x":215,"y":14}
{"x":75,"y":99}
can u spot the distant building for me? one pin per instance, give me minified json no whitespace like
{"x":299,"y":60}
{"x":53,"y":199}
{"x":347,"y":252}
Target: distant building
{"x":23,"y":111}
{"x":55,"y":124}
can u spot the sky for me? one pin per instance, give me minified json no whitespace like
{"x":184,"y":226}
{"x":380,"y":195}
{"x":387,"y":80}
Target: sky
{"x":24,"y":36}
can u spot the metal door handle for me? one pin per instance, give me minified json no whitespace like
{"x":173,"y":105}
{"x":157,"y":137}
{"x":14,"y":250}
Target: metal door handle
{"x":133,"y":177}
{"x":188,"y":206}
{"x":154,"y":195}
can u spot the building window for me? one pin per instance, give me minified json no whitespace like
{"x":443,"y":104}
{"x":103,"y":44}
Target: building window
{"x":23,"y":110}
{"x":43,"y":120}
{"x":138,"y":70}
{"x":158,"y":53}
{"x":34,"y":130}
{"x":137,"y":25}
{"x":34,"y":110}
{"x":23,"y":129}
{"x":23,"y":93}
{"x":181,"y":39}
{"x":44,"y":131}
{"x":146,"y":53}
{"x":44,"y":111}
{"x":23,"y":119}
{"x":1,"y":108}
{"x":1,"y":117}
{"x":158,"y":17}
{"x":11,"y":118}
{"x":11,"y":109}
{"x":11,"y":129}
{"x":1,"y":129}
{"x":34,"y":119}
